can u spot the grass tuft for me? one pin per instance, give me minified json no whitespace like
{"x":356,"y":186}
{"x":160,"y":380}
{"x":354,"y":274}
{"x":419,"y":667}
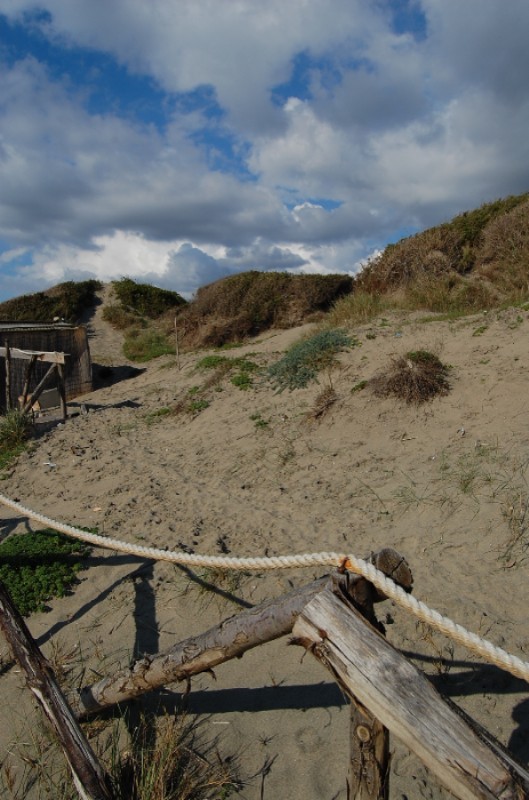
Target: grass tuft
{"x":416,"y":377}
{"x":302,"y":362}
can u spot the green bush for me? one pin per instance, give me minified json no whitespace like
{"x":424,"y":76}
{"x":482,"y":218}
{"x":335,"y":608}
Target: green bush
{"x":301,"y":363}
{"x":147,"y":300}
{"x":38,"y":566}
{"x":67,"y":301}
{"x":144,"y":345}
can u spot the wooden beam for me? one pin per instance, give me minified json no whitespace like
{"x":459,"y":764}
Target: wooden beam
{"x":230,"y":639}
{"x":50,"y":358}
{"x":38,"y":389}
{"x":89,"y":778}
{"x":402,"y":698}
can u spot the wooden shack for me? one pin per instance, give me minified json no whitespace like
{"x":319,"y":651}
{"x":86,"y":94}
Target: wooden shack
{"x":60,"y":337}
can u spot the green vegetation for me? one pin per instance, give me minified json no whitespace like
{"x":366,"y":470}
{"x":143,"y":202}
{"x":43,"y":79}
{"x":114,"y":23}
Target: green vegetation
{"x":301,"y":363}
{"x":144,"y":345}
{"x":14,"y":432}
{"x":415,"y":377}
{"x":476,"y":261}
{"x":223,"y":366}
{"x":38,"y":566}
{"x":259,"y":422}
{"x":67,"y":301}
{"x":157,"y":415}
{"x":358,"y":387}
{"x":146,"y":300}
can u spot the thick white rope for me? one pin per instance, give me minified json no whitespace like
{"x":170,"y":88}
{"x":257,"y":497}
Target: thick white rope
{"x":472,"y":641}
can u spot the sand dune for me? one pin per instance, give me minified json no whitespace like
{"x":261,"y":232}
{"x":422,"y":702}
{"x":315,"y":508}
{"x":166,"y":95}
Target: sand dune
{"x":252,"y":473}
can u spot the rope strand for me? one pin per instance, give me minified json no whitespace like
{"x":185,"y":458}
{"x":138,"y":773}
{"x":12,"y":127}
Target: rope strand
{"x":453,"y":630}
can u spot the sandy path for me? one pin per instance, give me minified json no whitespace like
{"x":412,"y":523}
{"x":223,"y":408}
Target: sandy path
{"x":446,"y":484}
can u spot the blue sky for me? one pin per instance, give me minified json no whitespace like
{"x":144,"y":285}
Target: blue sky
{"x":180,"y":142}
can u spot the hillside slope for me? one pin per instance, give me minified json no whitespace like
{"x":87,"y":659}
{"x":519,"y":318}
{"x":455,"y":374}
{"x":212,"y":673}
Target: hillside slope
{"x":173,"y":459}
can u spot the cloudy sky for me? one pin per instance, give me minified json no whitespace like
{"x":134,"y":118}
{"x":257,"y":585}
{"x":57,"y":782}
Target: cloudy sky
{"x":179,"y":141}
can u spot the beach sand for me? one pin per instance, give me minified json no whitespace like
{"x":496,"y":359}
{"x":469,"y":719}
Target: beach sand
{"x":253,"y":474}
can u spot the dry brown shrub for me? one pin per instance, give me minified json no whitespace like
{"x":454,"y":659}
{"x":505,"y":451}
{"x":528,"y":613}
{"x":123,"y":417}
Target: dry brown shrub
{"x":505,"y":251}
{"x":430,"y":254}
{"x":243,"y":305}
{"x":323,"y":403}
{"x":416,"y":377}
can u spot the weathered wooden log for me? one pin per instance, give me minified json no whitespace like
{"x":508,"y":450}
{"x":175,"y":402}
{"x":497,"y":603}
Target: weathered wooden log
{"x":231,"y":639}
{"x":401,"y":697}
{"x":89,"y":778}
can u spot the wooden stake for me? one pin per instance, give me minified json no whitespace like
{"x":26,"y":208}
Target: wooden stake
{"x":62,"y":390}
{"x":8,"y":377}
{"x":89,"y":778}
{"x":27,"y":379}
{"x":401,"y":697}
{"x":38,"y":390}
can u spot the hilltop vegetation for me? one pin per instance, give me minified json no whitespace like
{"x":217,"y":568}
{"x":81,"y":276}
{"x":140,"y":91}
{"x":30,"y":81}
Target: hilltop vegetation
{"x":67,"y":301}
{"x":246,"y":304}
{"x":478,"y":260}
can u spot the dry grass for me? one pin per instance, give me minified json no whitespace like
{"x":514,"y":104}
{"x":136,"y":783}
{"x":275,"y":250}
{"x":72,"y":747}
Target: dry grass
{"x":324,"y":401}
{"x":416,"y":377}
{"x":246,"y":304}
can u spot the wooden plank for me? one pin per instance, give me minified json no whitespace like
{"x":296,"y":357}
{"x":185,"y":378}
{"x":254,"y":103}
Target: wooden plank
{"x":62,"y":391}
{"x":38,"y":389}
{"x":89,"y":778}
{"x":400,"y":696}
{"x":7,"y":353}
{"x":49,"y":358}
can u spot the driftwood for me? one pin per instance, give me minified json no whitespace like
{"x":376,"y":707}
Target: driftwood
{"x":231,"y":639}
{"x":89,"y":779}
{"x":401,"y":697}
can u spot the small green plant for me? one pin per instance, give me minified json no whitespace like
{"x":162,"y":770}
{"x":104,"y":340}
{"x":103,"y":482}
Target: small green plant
{"x":242,"y":380}
{"x":15,"y":429}
{"x":480,"y":331}
{"x":196,"y":406}
{"x":155,"y":416}
{"x":358,"y":387}
{"x":38,"y":566}
{"x":301,"y":363}
{"x":259,"y":422}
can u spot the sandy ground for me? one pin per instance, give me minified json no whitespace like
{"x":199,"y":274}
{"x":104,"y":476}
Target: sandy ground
{"x":445,"y":484}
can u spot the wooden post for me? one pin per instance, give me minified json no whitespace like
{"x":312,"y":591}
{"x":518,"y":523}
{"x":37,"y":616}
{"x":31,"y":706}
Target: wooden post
{"x":8,"y":377}
{"x":62,"y":390}
{"x":89,"y":778}
{"x":38,"y":390}
{"x":27,"y":379}
{"x":368,"y":777}
{"x":401,"y":697}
